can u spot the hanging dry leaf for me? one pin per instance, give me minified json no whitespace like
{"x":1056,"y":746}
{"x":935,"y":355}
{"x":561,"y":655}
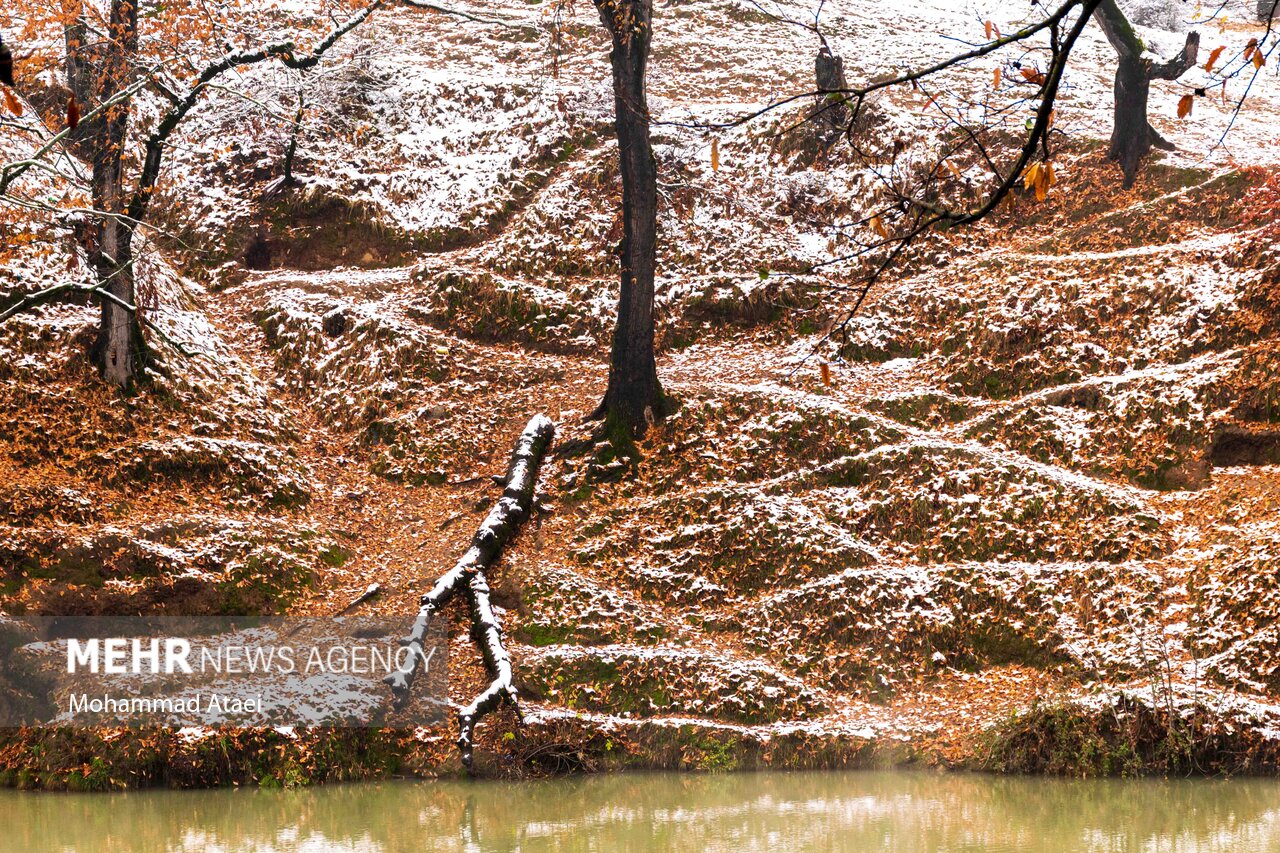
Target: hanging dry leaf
{"x":1031,"y":177}
{"x":825,"y":370}
{"x":1031,"y":75}
{"x":1250,"y":48}
{"x":11,"y":101}
{"x":878,"y":226}
{"x":1214,"y":57}
{"x":995,"y":79}
{"x":1184,"y":105}
{"x":73,"y":113}
{"x":715,"y":155}
{"x":988,"y":26}
{"x":1046,"y":181}
{"x":1258,"y":59}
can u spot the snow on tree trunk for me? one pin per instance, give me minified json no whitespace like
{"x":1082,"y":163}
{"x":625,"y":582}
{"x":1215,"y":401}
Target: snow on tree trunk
{"x":119,"y":347}
{"x":467,"y":577}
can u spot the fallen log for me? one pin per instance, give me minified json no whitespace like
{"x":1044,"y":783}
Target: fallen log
{"x":467,"y":577}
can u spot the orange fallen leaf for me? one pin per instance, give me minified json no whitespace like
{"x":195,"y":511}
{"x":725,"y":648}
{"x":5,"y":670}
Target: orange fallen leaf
{"x":11,"y":101}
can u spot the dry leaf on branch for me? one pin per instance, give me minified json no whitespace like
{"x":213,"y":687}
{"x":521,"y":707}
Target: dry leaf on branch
{"x":1213,"y":58}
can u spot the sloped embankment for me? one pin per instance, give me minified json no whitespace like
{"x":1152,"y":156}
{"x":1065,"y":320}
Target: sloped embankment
{"x":1032,"y":515}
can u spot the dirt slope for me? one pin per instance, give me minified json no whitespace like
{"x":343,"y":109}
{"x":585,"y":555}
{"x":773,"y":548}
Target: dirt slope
{"x":1032,"y":516}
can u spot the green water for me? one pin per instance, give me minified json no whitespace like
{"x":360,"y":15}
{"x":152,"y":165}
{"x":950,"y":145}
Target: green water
{"x":729,"y":812}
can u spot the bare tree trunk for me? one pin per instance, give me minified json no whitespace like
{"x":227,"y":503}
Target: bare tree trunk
{"x":292,"y":150}
{"x":828,"y":72}
{"x":634,"y":394}
{"x":119,"y":348}
{"x":1267,"y":9}
{"x":1132,"y":135}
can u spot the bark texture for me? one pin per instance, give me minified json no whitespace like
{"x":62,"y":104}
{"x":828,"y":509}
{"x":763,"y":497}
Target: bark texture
{"x":467,"y":577}
{"x":291,"y":151}
{"x":1132,"y":135}
{"x":828,"y":71}
{"x":119,"y":347}
{"x":634,"y":394}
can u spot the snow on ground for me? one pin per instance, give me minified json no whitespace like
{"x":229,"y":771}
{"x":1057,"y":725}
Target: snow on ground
{"x":1016,"y":487}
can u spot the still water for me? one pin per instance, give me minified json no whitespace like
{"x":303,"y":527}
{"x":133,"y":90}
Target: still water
{"x":729,"y":812}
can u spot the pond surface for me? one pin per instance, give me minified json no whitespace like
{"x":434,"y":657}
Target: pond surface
{"x":858,"y":811}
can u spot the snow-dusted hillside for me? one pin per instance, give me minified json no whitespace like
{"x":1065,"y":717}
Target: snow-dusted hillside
{"x":1045,"y":472}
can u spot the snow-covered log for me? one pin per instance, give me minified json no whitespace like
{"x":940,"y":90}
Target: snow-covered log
{"x":467,"y":577}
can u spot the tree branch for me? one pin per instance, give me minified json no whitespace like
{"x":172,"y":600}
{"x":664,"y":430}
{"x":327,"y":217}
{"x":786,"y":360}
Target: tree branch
{"x":1180,"y":64}
{"x":284,"y":51}
{"x":467,"y":577}
{"x":1119,"y":31}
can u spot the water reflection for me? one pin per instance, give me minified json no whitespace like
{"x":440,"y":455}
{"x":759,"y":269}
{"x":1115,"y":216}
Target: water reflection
{"x":730,"y":812}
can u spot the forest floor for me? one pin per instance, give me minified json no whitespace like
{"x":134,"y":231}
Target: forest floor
{"x":1026,"y":518}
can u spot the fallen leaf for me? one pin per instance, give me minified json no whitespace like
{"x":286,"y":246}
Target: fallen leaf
{"x":11,"y":101}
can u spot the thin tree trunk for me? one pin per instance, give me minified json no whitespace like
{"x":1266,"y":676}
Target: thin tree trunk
{"x":119,"y":347}
{"x":634,"y":394}
{"x":292,"y":151}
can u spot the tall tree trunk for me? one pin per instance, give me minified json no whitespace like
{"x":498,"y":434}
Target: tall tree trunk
{"x":1132,"y":135}
{"x":634,"y":394}
{"x":119,"y":347}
